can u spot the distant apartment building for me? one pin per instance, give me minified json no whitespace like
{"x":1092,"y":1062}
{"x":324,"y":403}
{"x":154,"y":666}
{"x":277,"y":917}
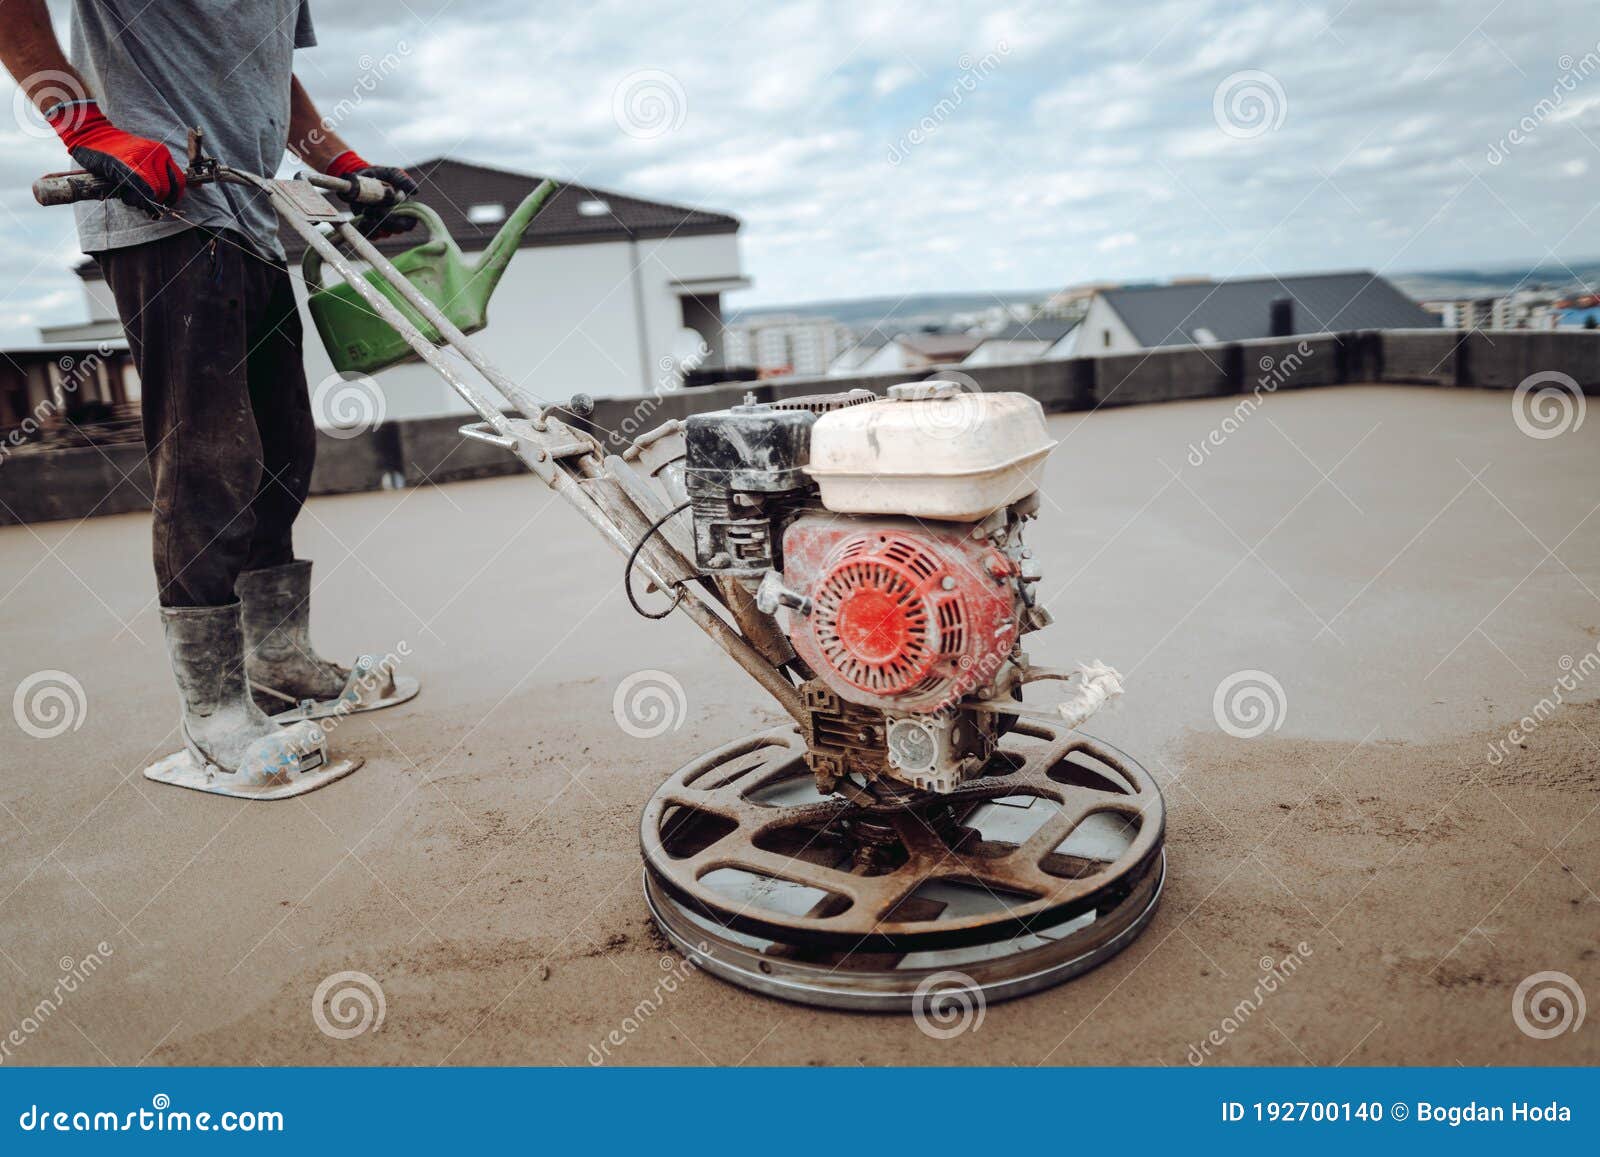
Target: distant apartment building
{"x":921,"y":350}
{"x":1580,"y":310}
{"x":1521,"y":309}
{"x":1464,"y":312}
{"x":604,"y":290}
{"x":51,"y":391}
{"x":786,"y":344}
{"x":1527,"y":309}
{"x":1071,"y":303}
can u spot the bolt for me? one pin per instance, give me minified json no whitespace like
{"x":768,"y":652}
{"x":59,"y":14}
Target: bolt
{"x":947,"y":583}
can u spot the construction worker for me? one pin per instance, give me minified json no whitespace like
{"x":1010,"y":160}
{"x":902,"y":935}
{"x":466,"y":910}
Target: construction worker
{"x":206,"y":301}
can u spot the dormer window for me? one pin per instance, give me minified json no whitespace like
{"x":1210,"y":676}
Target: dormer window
{"x":487,"y":213}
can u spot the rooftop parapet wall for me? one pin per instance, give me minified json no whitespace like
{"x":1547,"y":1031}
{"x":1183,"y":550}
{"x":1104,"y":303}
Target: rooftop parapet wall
{"x":77,"y":483}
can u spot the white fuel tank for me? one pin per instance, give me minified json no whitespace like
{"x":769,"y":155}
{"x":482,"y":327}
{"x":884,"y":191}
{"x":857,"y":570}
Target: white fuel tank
{"x":930,"y":450}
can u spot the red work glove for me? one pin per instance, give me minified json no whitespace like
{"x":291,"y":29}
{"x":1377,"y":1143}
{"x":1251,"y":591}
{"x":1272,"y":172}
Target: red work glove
{"x":142,"y":171}
{"x":374,"y":220}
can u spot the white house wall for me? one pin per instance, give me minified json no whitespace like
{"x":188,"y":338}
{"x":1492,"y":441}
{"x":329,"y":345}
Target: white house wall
{"x":997,"y":352}
{"x":563,"y":321}
{"x":890,"y":357}
{"x":850,"y":361}
{"x":661,"y":262}
{"x":1100,"y":321}
{"x":97,"y":295}
{"x":1065,"y":347}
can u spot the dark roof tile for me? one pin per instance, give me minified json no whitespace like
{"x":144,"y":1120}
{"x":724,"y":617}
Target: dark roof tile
{"x":451,"y":188}
{"x":1239,"y":310}
{"x":938,"y":345}
{"x":1050,"y":329}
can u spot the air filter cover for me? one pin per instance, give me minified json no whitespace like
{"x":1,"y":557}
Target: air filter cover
{"x":930,"y":450}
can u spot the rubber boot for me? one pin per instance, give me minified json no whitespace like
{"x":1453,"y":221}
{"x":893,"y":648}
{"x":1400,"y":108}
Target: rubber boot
{"x":221,"y":724}
{"x":283,"y":666}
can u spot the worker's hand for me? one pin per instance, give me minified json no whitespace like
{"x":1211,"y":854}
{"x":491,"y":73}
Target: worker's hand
{"x":142,"y":171}
{"x":374,"y":220}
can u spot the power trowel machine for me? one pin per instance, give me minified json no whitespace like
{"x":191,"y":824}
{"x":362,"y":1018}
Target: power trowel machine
{"x":918,"y":828}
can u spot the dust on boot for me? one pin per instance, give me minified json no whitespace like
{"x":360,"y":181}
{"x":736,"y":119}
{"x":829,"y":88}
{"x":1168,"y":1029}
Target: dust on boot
{"x":288,"y":679}
{"x":229,"y":745}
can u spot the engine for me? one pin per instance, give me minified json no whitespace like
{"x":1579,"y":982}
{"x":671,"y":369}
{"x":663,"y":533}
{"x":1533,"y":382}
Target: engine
{"x":886,"y":534}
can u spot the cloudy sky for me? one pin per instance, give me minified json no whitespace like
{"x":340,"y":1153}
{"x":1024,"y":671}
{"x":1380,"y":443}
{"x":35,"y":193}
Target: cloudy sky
{"x":923,"y":146}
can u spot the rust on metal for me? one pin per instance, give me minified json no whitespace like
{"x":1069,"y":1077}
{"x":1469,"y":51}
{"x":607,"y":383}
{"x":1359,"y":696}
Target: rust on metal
{"x":711,"y":815}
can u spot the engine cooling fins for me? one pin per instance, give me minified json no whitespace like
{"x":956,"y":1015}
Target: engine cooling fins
{"x":903,"y":616}
{"x":871,"y":619}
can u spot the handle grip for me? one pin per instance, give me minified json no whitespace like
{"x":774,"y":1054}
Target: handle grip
{"x":369,"y":191}
{"x":69,"y":188}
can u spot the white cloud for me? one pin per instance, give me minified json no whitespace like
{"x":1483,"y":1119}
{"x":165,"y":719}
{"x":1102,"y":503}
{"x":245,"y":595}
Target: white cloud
{"x":1089,"y":148}
{"x":893,"y":77}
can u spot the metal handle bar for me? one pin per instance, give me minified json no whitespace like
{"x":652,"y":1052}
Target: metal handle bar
{"x":69,"y":188}
{"x":568,"y":461}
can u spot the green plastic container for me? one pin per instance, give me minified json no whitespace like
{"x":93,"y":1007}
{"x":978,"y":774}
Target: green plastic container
{"x":359,"y":341}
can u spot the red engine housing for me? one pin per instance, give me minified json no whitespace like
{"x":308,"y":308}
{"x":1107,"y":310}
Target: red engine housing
{"x":905,"y":615}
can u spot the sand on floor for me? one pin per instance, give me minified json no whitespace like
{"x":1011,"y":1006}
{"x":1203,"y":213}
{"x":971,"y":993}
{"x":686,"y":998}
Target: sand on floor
{"x":1415,"y":574}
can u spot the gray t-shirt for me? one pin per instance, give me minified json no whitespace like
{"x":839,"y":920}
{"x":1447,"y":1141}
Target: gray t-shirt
{"x":161,"y":67}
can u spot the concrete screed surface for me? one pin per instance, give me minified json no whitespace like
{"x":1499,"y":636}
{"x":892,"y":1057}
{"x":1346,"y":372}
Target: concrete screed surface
{"x":1412,"y":569}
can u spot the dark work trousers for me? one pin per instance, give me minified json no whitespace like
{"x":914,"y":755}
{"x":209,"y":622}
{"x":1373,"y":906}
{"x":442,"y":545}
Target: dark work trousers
{"x":216,"y":339}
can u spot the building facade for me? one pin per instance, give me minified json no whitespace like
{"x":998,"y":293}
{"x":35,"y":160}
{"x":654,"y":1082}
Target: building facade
{"x":607,"y":294}
{"x":1201,"y":312}
{"x":785,"y":344}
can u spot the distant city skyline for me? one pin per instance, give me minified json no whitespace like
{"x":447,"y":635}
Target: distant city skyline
{"x":1019,"y":146}
{"x":1421,"y":284}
